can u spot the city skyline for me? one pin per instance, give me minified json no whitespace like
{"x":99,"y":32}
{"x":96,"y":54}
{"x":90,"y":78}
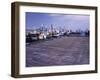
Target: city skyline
{"x":64,"y":21}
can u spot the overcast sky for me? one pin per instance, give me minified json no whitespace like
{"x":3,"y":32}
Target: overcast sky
{"x":66,"y":21}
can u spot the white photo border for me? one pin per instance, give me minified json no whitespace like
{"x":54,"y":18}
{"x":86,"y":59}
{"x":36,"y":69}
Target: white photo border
{"x":68,"y":68}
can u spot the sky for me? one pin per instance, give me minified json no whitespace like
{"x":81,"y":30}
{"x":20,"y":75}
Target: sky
{"x":64,"y":21}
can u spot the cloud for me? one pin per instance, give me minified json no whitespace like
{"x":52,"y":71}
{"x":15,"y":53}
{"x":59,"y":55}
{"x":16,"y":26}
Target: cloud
{"x":70,"y":17}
